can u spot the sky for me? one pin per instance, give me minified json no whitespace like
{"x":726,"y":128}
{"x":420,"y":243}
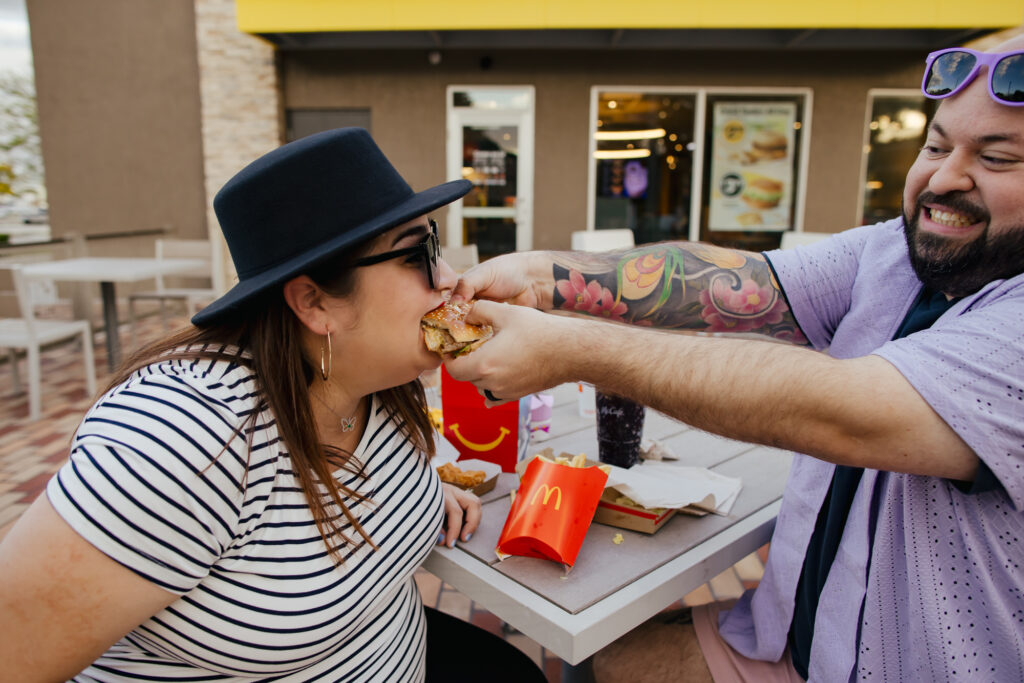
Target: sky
{"x":15,"y":52}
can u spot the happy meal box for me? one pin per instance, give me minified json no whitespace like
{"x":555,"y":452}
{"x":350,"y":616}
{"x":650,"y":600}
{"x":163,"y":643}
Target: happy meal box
{"x":495,"y":434}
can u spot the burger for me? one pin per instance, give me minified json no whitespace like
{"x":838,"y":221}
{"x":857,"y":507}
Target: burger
{"x":768,"y":144}
{"x":446,"y":331}
{"x":762,"y":193}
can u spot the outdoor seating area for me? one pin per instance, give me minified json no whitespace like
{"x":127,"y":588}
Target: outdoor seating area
{"x":426,"y":346}
{"x":31,"y":450}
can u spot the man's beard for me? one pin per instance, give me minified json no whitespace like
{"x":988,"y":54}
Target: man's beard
{"x":957,"y":268}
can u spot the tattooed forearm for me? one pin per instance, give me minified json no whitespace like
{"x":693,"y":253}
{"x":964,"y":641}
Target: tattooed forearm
{"x":678,"y":285}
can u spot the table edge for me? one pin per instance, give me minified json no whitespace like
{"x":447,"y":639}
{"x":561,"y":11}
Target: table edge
{"x":574,"y":637}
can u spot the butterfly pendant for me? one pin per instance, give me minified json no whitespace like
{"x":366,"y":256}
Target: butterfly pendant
{"x":348,"y":424}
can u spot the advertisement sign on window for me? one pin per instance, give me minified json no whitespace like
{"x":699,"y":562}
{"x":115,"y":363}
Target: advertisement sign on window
{"x":752,"y":181}
{"x":488,"y":167}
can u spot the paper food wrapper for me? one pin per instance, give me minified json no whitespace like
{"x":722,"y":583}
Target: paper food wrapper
{"x":551,"y":512}
{"x":657,"y":485}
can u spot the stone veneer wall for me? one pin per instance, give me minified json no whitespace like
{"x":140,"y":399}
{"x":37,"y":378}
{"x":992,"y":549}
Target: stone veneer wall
{"x":239,"y":99}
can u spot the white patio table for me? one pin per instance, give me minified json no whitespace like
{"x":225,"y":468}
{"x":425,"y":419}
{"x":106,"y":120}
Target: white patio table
{"x":107,"y":271}
{"x":614,"y":587}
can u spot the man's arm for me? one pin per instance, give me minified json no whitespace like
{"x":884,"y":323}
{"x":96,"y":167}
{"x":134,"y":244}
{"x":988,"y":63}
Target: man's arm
{"x":859,"y":412}
{"x":672,"y":285}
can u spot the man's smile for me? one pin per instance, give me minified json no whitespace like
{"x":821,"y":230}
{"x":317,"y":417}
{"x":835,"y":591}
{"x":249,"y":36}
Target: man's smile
{"x":946,"y":221}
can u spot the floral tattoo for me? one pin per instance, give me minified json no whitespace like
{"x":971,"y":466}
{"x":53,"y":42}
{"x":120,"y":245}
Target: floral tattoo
{"x":682,"y":286}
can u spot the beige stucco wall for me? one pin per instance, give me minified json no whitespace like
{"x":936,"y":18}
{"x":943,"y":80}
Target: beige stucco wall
{"x":117,"y":83}
{"x":407,"y":99}
{"x":148,"y":108}
{"x":240,"y":109}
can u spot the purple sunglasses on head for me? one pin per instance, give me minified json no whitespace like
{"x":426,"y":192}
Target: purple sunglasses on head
{"x":949,"y":71}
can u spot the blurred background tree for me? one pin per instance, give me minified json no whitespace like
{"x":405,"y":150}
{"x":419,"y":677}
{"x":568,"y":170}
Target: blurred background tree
{"x":21,"y":159}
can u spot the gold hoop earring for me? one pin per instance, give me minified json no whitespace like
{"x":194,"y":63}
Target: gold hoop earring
{"x":325,"y":370}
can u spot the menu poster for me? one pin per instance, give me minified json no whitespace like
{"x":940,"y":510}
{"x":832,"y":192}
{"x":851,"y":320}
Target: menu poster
{"x":752,"y":166}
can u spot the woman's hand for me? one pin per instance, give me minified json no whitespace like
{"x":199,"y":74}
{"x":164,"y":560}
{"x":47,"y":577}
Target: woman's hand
{"x":462,"y":515}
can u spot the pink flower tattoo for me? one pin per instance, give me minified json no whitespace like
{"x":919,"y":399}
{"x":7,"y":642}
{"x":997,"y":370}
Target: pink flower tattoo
{"x":608,"y":307}
{"x":747,"y":307}
{"x":589,"y":297}
{"x":579,"y":295}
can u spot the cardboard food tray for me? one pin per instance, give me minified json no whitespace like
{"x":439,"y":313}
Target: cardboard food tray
{"x":491,"y":472}
{"x":610,"y":513}
{"x":625,"y":516}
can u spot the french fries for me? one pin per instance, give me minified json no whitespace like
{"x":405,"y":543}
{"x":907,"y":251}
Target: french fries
{"x":436,"y":418}
{"x":578,"y":461}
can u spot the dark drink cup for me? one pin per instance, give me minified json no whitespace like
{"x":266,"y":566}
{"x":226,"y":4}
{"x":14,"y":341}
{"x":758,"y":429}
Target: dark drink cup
{"x":620,"y":427}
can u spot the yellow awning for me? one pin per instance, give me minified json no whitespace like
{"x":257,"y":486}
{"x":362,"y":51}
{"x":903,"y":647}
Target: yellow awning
{"x":301,"y":16}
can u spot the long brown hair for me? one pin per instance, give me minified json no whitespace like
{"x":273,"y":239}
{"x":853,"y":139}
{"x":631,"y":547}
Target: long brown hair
{"x":266,"y":337}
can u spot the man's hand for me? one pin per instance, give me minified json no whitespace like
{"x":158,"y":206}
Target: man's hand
{"x":462,"y":515}
{"x":530,"y":351}
{"x":522,"y":278}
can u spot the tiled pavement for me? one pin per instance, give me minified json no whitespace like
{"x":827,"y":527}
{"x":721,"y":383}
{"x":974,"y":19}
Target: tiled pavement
{"x":30,"y":452}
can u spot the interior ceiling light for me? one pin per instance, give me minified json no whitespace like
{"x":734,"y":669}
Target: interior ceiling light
{"x":622,"y":153}
{"x":643,"y":134}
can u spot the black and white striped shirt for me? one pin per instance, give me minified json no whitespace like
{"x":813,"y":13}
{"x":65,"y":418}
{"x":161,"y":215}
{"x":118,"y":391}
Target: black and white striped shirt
{"x":156,"y":481}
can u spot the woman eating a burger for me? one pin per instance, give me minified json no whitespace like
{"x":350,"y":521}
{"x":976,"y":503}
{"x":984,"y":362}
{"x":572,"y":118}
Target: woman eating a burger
{"x":249,"y":498}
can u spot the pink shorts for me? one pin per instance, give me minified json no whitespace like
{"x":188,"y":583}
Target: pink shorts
{"x":728,"y":666}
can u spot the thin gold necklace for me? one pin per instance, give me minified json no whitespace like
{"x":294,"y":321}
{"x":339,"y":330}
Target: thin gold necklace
{"x":347,"y":423}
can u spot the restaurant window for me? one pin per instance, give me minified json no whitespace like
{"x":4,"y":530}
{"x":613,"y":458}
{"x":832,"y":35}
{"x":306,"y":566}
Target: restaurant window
{"x":643,"y":163}
{"x":725,"y":166}
{"x":897,"y":122}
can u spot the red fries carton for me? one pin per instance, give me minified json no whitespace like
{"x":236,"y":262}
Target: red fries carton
{"x":552,"y":511}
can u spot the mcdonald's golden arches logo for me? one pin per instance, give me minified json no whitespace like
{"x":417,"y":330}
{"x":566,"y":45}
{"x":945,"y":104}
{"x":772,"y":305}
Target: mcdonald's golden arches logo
{"x":547,"y":494}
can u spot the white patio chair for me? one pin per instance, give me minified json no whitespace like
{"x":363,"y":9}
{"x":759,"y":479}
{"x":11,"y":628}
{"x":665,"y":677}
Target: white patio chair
{"x":602,"y":240}
{"x":194,"y":298}
{"x":31,"y":334}
{"x":42,"y":292}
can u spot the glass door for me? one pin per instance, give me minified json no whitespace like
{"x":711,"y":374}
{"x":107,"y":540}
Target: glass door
{"x":490,"y":143}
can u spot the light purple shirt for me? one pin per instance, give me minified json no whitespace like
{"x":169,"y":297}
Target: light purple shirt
{"x":933,"y":590}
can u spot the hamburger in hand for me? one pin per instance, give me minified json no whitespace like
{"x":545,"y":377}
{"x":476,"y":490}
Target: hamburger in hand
{"x":762,"y":193}
{"x":445,"y":330}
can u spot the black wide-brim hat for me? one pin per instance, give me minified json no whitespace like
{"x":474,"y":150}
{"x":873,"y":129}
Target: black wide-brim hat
{"x":306,"y":202}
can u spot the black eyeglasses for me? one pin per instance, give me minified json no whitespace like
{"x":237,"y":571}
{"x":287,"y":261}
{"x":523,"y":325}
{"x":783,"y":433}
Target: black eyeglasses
{"x":428,"y":251}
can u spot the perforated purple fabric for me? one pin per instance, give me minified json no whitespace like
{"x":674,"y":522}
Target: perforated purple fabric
{"x":932,"y":591}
